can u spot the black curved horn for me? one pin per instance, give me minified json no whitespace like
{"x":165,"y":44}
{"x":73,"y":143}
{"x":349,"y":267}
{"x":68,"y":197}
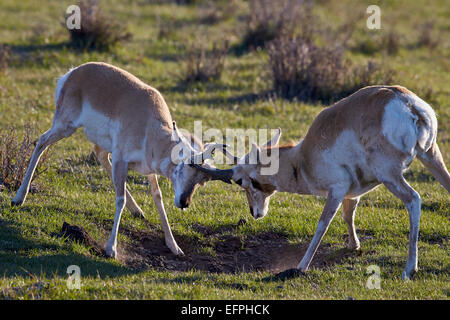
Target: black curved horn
{"x":216,"y":174}
{"x":228,"y":154}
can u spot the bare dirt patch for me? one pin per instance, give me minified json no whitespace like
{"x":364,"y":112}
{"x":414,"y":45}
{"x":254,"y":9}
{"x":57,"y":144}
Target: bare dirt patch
{"x":219,"y":251}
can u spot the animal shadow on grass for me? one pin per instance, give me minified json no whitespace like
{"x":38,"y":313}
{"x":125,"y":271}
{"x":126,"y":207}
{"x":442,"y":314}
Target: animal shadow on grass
{"x":20,"y":256}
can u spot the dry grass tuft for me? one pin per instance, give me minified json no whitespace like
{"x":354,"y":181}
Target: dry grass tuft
{"x":15,"y":151}
{"x":5,"y":54}
{"x":271,"y":18}
{"x":203,"y":64}
{"x":427,"y":35}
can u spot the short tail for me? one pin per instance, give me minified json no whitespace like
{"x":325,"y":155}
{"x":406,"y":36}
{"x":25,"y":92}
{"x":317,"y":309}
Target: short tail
{"x":432,"y":160}
{"x":427,"y":149}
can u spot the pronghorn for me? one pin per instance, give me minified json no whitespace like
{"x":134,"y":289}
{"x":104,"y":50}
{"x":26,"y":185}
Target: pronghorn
{"x":362,"y":141}
{"x":124,"y":116}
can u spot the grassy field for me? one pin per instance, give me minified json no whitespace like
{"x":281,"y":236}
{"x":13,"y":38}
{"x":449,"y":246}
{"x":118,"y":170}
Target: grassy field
{"x":228,"y":253}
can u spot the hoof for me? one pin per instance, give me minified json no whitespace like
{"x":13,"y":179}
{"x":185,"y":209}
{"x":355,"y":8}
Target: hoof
{"x":16,"y":203}
{"x":174,"y":248}
{"x":286,"y":274}
{"x":111,"y":253}
{"x":138,"y":214}
{"x":353,"y":247}
{"x":177,"y":251}
{"x":408,"y":275}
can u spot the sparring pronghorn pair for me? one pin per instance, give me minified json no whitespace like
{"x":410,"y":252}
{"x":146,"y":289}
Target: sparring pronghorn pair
{"x":362,"y":141}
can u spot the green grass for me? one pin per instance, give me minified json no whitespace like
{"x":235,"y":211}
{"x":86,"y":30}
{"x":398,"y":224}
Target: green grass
{"x":33,"y":259}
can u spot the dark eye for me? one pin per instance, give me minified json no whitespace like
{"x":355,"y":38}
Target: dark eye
{"x":256,"y":184}
{"x":239,"y":182}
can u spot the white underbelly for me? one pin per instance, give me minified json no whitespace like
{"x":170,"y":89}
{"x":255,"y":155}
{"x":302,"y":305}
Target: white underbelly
{"x":98,"y":128}
{"x":105,"y":132}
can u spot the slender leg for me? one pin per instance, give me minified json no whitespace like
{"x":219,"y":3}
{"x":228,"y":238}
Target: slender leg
{"x":157,"y":197}
{"x":348,"y":214}
{"x":119,"y":175}
{"x":48,"y":138}
{"x":131,"y":204}
{"x":331,"y":207}
{"x":400,"y":188}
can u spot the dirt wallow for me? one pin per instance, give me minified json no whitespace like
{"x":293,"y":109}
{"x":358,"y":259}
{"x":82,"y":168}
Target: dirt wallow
{"x":223,"y":251}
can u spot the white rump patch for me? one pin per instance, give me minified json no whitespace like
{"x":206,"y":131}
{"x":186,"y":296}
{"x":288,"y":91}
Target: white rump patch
{"x":60,"y":84}
{"x":426,"y":132}
{"x":399,"y":125}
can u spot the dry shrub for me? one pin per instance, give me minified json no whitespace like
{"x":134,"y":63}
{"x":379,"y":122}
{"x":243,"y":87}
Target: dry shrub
{"x":97,"y":31}
{"x":203,"y":64}
{"x":388,"y":42}
{"x":166,"y":28}
{"x":179,"y":2}
{"x":187,"y":2}
{"x":217,"y":11}
{"x":392,"y":43}
{"x":271,"y":18}
{"x":427,"y":36}
{"x":5,"y":52}
{"x":15,"y":152}
{"x":305,"y":71}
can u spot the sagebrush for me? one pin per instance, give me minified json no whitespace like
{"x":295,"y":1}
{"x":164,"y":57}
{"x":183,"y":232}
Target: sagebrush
{"x":98,"y":31}
{"x":271,"y":18}
{"x":204,"y":64}
{"x":305,"y":71}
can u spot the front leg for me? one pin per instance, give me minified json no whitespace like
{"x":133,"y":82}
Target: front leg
{"x":331,"y":207}
{"x":103,"y":158}
{"x":157,"y":197}
{"x":119,"y":175}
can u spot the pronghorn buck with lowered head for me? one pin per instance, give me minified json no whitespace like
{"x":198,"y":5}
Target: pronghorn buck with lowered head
{"x":123,"y":116}
{"x":362,"y":141}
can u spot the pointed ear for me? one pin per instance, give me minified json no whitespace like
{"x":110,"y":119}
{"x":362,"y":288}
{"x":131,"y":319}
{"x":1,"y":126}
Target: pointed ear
{"x":176,"y":136}
{"x":254,"y":154}
{"x":275,"y":140}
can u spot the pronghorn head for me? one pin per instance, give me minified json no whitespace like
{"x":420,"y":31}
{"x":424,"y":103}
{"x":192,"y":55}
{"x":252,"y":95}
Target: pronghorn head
{"x":185,"y":177}
{"x":247,"y":174}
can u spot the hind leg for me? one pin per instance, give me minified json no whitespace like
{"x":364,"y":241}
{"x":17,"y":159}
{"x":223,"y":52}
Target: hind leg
{"x":48,"y":138}
{"x":131,"y":204}
{"x":400,"y":188}
{"x":348,"y":214}
{"x":389,"y":171}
